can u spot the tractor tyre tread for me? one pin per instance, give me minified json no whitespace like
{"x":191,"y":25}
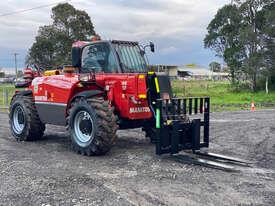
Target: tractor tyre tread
{"x":106,"y":126}
{"x":34,"y":128}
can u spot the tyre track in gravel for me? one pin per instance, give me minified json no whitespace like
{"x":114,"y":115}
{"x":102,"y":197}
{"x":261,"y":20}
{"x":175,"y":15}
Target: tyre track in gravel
{"x":48,"y":172}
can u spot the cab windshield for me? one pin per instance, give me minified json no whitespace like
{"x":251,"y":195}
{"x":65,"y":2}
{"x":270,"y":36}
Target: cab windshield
{"x":131,"y":58}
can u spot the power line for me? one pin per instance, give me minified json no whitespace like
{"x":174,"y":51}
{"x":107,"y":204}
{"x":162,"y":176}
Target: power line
{"x":38,"y":7}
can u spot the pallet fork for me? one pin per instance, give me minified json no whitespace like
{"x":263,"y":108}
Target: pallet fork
{"x":176,"y":131}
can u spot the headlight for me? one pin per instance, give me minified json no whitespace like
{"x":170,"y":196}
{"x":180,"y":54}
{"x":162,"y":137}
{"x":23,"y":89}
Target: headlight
{"x":142,"y":96}
{"x":85,"y":77}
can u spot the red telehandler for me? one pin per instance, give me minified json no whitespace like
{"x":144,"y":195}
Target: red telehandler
{"x":109,"y":87}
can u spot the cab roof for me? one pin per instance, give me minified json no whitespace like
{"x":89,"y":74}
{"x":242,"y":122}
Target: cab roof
{"x":84,"y":43}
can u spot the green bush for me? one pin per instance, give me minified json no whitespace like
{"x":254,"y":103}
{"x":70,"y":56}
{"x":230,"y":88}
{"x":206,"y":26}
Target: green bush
{"x":239,"y":86}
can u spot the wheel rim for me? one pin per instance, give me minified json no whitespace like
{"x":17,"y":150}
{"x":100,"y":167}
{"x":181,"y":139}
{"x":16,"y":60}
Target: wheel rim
{"x":18,"y":120}
{"x":83,"y":127}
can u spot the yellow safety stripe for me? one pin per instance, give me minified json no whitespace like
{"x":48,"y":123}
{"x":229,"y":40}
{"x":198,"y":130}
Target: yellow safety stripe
{"x":142,"y":96}
{"x":151,"y":73}
{"x":51,"y":72}
{"x":141,"y":76}
{"x":157,"y":84}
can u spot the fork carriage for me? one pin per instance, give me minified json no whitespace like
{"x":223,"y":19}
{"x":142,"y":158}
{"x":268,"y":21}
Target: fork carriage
{"x":175,"y":130}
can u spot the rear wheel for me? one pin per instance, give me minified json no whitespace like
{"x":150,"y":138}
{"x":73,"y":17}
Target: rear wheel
{"x":25,"y":124}
{"x":92,"y":126}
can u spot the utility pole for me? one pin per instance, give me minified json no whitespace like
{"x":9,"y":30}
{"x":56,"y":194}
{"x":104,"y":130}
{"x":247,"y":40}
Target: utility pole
{"x":15,"y":64}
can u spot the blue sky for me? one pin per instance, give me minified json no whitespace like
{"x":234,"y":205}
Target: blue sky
{"x":176,"y":26}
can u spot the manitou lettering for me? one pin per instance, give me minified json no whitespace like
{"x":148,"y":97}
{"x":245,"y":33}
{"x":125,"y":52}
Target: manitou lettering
{"x":40,"y":98}
{"x":139,"y":109}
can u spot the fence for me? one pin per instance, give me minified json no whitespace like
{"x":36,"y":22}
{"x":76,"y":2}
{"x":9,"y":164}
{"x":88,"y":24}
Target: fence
{"x":5,"y":98}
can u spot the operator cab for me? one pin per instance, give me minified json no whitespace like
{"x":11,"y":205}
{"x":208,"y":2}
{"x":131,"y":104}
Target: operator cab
{"x":109,"y":57}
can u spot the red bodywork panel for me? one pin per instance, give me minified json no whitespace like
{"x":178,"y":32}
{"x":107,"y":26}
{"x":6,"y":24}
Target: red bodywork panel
{"x":126,"y":92}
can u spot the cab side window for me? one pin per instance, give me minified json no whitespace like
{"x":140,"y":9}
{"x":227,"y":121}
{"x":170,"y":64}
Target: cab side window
{"x":98,"y":57}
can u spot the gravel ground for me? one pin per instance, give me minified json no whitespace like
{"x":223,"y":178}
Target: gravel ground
{"x":47,"y":172}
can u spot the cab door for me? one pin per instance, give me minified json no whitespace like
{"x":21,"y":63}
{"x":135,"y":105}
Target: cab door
{"x":99,"y":57}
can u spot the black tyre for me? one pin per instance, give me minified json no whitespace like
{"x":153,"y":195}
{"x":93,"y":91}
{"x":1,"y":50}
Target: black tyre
{"x":25,"y":124}
{"x":92,"y":126}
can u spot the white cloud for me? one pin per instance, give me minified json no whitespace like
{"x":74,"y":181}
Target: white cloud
{"x":171,"y":24}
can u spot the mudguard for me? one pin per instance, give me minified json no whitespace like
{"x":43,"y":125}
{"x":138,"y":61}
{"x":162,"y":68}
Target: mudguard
{"x":24,"y":93}
{"x":86,"y":94}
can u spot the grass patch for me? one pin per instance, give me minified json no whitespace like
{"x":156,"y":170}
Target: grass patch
{"x":222,"y":96}
{"x":9,"y":88}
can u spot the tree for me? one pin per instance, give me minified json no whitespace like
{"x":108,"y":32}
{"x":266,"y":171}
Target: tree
{"x":236,"y":34}
{"x":215,"y":67}
{"x":2,"y":74}
{"x":52,"y":46}
{"x":253,"y":26}
{"x":266,"y":23}
{"x":222,"y":37}
{"x":250,"y":38}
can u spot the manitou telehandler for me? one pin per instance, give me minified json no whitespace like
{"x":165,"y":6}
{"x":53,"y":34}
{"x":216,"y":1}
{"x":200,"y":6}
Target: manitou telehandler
{"x":108,"y":87}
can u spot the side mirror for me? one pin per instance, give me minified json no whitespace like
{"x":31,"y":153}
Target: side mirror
{"x":152,"y":46}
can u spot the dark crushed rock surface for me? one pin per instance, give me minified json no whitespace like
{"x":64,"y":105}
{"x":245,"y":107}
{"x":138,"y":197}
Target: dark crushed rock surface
{"x":47,"y":172}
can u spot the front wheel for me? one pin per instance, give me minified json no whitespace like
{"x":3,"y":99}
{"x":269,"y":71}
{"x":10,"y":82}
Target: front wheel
{"x":25,"y":124}
{"x":92,"y":126}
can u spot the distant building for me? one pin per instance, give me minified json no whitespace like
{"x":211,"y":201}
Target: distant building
{"x":189,"y":71}
{"x":170,"y":70}
{"x":200,"y":73}
{"x":8,"y":71}
{"x":7,"y":75}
